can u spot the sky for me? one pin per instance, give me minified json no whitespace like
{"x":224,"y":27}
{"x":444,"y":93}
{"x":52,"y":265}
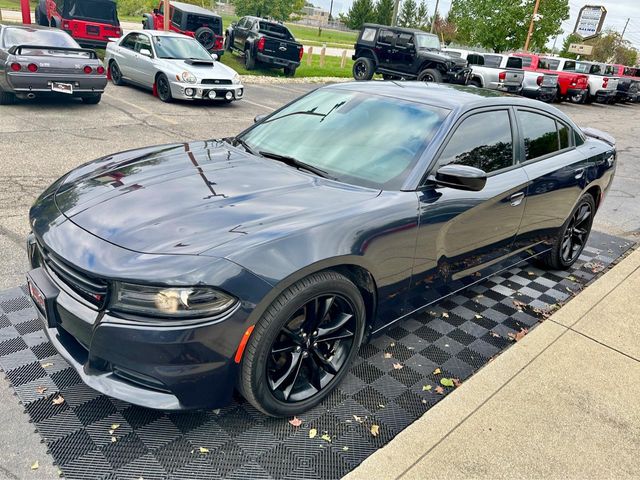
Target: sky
{"x":617,"y":13}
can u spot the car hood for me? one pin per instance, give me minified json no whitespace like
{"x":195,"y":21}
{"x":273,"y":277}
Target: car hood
{"x":190,"y":198}
{"x":445,"y":57}
{"x":201,"y":71}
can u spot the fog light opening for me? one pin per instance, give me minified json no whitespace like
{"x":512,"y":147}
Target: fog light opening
{"x":212,"y":94}
{"x":229,"y":96}
{"x":189,"y":92}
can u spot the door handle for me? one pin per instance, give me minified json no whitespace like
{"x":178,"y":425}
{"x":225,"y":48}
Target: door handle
{"x":579,"y":173}
{"x":516,"y":199}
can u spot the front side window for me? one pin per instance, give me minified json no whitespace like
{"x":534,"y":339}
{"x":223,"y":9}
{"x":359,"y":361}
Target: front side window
{"x":129,"y":41}
{"x":404,"y":40}
{"x":143,"y":43}
{"x":483,"y":140}
{"x":475,"y":59}
{"x":540,"y":134}
{"x":355,"y":137}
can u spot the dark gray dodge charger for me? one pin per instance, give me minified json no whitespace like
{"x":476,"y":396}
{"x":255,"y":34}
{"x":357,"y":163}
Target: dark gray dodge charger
{"x":170,"y":275}
{"x":41,"y":61}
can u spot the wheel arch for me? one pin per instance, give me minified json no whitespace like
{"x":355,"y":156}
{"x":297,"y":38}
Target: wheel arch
{"x":596,"y":192}
{"x":367,"y":53}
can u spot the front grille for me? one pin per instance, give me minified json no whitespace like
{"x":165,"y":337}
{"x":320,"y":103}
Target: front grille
{"x":211,"y":81}
{"x":92,"y":289}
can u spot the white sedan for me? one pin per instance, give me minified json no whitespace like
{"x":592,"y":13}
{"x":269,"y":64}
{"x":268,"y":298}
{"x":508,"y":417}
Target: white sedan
{"x":174,"y":66}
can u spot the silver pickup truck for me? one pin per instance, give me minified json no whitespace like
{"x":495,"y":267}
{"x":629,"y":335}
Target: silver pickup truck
{"x":492,"y":71}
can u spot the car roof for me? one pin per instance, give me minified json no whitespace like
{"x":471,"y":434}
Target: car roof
{"x":187,"y":7}
{"x":160,"y":33}
{"x":398,"y":29}
{"x":449,"y":96}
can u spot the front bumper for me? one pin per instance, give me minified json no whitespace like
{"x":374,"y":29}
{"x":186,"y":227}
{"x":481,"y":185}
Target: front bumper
{"x":145,"y":363}
{"x":41,"y":83}
{"x":458,"y":76}
{"x":200,"y":91}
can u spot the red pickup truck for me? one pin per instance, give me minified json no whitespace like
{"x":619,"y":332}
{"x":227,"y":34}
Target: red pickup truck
{"x":571,"y":86}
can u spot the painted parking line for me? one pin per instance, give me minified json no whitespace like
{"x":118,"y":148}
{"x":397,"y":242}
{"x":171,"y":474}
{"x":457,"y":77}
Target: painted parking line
{"x":271,"y":109}
{"x":144,"y":110}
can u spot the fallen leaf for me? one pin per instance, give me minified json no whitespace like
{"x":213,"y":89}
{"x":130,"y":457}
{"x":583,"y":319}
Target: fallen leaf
{"x":398,"y":366}
{"x":437,"y":371}
{"x":440,"y":390}
{"x":295,"y":421}
{"x":478,"y":316}
{"x":456,"y":382}
{"x":426,"y":388}
{"x":47,"y":365}
{"x":516,"y":337}
{"x":392,"y":344}
{"x":58,"y":400}
{"x":446,"y":382}
{"x":216,"y":411}
{"x":35,"y":465}
{"x":345,"y":448}
{"x":115,"y":426}
{"x":375,"y":430}
{"x":572,"y":278}
{"x":114,"y":439}
{"x":445,"y":315}
{"x":531,"y":274}
{"x":312,"y":433}
{"x":41,"y":390}
{"x":494,"y":334}
{"x":60,"y":473}
{"x":358,"y":419}
{"x":380,"y":405}
{"x":387,"y":355}
{"x":424,"y":401}
{"x":326,"y":437}
{"x":203,"y":450}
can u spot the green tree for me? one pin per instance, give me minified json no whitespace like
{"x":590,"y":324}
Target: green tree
{"x":361,"y":12}
{"x":278,"y":9}
{"x":502,"y":25}
{"x":384,"y":12}
{"x":610,"y":47}
{"x":572,"y":38}
{"x":422,"y":16}
{"x":408,"y":14}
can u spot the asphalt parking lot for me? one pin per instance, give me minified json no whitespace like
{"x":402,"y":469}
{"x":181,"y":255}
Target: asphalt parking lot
{"x":40,"y":141}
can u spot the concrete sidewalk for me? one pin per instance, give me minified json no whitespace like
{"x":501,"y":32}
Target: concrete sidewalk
{"x":562,"y":403}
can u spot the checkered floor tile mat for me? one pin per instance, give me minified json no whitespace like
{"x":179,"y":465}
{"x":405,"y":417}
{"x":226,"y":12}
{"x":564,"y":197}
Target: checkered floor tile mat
{"x":396,"y":378}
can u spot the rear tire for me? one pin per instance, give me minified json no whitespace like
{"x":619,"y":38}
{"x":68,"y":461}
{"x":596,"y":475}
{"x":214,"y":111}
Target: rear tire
{"x":115,"y":74}
{"x":290,"y":71}
{"x":92,"y":100}
{"x":7,"y":98}
{"x":430,"y":75}
{"x":288,"y":334}
{"x":249,"y":61}
{"x":573,"y":236}
{"x":363,"y":69}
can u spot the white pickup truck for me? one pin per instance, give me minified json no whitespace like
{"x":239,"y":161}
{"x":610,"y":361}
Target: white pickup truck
{"x":602,"y":88}
{"x":489,"y":71}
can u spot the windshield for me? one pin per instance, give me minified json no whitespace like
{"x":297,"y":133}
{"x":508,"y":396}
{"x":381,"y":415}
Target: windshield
{"x":32,"y":36}
{"x":427,"y":41}
{"x":357,"y":138}
{"x":180,"y":48}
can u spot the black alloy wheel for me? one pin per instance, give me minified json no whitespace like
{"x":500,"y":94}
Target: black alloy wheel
{"x":303,"y":345}
{"x":430,"y":75}
{"x":363,"y":69}
{"x":573,"y":236}
{"x":115,"y":73}
{"x":311,"y":348}
{"x":163,"y":87}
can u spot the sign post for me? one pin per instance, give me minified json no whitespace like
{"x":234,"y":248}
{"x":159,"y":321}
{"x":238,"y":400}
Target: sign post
{"x":167,"y":14}
{"x":590,"y":20}
{"x":26,"y":12}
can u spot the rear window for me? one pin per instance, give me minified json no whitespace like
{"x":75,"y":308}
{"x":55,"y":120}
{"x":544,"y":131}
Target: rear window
{"x":92,"y":10}
{"x":275,"y":30}
{"x":552,"y":63}
{"x":32,"y":36}
{"x":194,"y":22}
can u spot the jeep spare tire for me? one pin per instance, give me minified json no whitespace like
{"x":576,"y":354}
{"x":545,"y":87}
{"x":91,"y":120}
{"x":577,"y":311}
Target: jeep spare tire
{"x":206,"y":37}
{"x":430,"y":75}
{"x":363,"y":69}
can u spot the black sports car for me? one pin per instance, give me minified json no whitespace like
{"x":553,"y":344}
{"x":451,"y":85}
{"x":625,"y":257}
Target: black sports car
{"x":169,"y":275}
{"x":38,"y":61}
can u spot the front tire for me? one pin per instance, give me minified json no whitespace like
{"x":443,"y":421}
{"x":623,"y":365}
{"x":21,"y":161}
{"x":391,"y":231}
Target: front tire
{"x":164,"y":88}
{"x":430,"y":75}
{"x":573,"y":236}
{"x":363,"y":69}
{"x":303,"y":345}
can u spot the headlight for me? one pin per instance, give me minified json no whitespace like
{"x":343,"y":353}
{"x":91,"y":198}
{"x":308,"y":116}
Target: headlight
{"x":236,"y":79}
{"x":170,"y":302}
{"x":188,"y":77}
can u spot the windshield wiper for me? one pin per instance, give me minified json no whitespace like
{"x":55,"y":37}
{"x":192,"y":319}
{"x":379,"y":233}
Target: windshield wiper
{"x":296,"y":163}
{"x":243,"y":144}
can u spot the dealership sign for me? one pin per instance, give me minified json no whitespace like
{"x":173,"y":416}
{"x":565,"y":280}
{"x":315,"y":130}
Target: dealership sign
{"x":590,"y":20}
{"x":581,"y":49}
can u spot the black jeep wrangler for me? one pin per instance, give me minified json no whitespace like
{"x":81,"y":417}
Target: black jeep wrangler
{"x":404,"y":53}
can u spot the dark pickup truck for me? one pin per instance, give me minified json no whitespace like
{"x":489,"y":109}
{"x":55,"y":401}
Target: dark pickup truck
{"x":404,"y":53}
{"x":264,"y":42}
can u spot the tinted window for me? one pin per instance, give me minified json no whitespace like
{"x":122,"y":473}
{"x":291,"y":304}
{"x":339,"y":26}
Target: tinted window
{"x":553,"y":63}
{"x":130,"y":41}
{"x":385,"y":36}
{"x":514,"y":62}
{"x":483,"y":141}
{"x":526,"y":61}
{"x":569,"y":65}
{"x":475,"y":59}
{"x":563,"y":133}
{"x":540,"y":134}
{"x":577,"y":137}
{"x":404,"y":40}
{"x":492,"y":60}
{"x":176,"y":18}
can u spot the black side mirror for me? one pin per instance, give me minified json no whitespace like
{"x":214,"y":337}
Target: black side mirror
{"x":156,"y":11}
{"x":462,"y":177}
{"x":259,"y":118}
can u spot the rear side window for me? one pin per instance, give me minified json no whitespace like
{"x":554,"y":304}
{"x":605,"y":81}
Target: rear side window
{"x":492,"y":60}
{"x":475,"y":59}
{"x":483,"y":141}
{"x":368,"y":35}
{"x":563,"y":134}
{"x":385,"y":37}
{"x":540,"y":134}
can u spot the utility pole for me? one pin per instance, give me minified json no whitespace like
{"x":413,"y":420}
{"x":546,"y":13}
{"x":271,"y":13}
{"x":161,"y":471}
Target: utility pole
{"x":624,"y":29}
{"x":394,"y":19}
{"x":166,"y":15}
{"x":533,"y":18}
{"x":435,"y":15}
{"x":331,"y":11}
